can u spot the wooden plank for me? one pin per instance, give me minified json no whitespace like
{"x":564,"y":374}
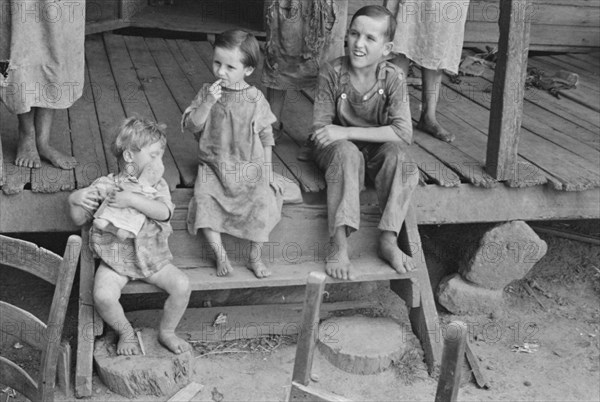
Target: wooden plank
{"x":187,"y":392}
{"x":242,"y":322}
{"x":18,"y":379}
{"x":299,"y":392}
{"x":572,"y":173}
{"x":87,"y":140}
{"x":191,"y":63}
{"x":473,"y":361}
{"x":30,"y":258}
{"x":14,"y":178}
{"x":205,"y":51}
{"x":35,"y":212}
{"x":587,"y":69}
{"x":307,"y":341}
{"x":369,"y":268}
{"x":165,"y":109}
{"x":85,"y":351}
{"x":590,"y":58}
{"x":131,"y":93}
{"x":23,"y":325}
{"x":507,"y":107}
{"x":452,"y":360}
{"x":63,"y":368}
{"x":564,"y":117}
{"x":109,"y":109}
{"x":104,"y":26}
{"x":306,"y":173}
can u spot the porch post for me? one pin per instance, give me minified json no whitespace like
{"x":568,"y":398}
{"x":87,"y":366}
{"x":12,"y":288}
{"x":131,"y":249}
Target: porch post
{"x":508,"y":89}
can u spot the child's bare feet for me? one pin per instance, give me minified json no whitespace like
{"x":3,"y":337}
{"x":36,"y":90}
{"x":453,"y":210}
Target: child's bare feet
{"x":128,"y":344}
{"x":57,"y":158}
{"x":431,"y":126}
{"x":224,"y":266}
{"x":27,"y":153}
{"x":172,"y":342}
{"x":339,"y":267}
{"x":389,"y":251}
{"x":259,"y":268}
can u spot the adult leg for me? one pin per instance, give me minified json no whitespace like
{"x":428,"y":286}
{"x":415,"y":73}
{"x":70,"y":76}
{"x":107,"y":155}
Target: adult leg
{"x":216,"y":244}
{"x":43,"y":126}
{"x":176,"y":283}
{"x":432,"y":82}
{"x":107,"y":291}
{"x":27,"y":152}
{"x":344,"y":169}
{"x":276,"y":99}
{"x":395,"y":177}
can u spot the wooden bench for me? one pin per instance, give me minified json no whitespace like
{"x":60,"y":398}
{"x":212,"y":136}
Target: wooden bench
{"x":298,"y":247}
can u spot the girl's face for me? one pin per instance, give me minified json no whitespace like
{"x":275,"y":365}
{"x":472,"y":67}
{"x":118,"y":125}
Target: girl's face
{"x":228,"y":66}
{"x":367,"y":43}
{"x":138,"y":160}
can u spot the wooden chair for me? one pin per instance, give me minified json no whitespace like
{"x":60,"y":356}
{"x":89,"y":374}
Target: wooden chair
{"x":30,"y":330}
{"x":301,"y":388}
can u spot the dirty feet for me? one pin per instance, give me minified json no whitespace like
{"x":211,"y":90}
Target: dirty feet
{"x":338,"y":266}
{"x":57,"y":158}
{"x":172,"y":342}
{"x":224,"y":266}
{"x":27,"y":153}
{"x":389,"y":251}
{"x":431,"y":126}
{"x":259,"y":268}
{"x":128,"y":344}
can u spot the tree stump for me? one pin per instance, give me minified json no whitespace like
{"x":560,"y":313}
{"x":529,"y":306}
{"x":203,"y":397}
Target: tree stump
{"x":159,"y":372}
{"x":362,"y":345}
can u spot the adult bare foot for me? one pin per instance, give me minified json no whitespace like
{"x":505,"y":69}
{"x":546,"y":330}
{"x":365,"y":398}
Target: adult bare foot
{"x":431,"y":126}
{"x":27,"y":153}
{"x":224,"y":266}
{"x":389,"y":252}
{"x":128,"y":344}
{"x":259,"y":269}
{"x":172,"y":342}
{"x":57,"y":158}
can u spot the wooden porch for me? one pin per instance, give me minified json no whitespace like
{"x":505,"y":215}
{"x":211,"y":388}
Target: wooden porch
{"x":557,"y":175}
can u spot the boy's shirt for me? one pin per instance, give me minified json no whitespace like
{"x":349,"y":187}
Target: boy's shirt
{"x":338,"y":102}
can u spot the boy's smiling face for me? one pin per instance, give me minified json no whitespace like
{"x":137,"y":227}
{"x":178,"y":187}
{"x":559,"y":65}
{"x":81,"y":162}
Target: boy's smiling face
{"x":228,"y":66}
{"x":367,"y":43}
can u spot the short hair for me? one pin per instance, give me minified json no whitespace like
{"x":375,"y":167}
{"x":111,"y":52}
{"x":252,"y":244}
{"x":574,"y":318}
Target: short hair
{"x":135,"y":133}
{"x":245,"y":41}
{"x":378,"y":12}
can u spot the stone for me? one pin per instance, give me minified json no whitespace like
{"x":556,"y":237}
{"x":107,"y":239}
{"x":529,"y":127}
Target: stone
{"x":158,"y":373}
{"x":362,"y":345}
{"x":461,"y":297}
{"x":504,"y":253}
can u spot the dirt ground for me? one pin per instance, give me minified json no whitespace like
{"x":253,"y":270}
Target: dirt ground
{"x":534,"y":349}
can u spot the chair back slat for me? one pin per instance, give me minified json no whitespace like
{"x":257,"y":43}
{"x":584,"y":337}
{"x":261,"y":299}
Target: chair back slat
{"x":28,"y":257}
{"x":18,"y":379}
{"x":58,"y":311}
{"x":27,"y":328}
{"x":47,"y":337}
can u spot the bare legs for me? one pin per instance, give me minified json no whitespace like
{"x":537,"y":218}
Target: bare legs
{"x":34,"y":141}
{"x":107,"y":291}
{"x":430,"y":93}
{"x":276,"y":99}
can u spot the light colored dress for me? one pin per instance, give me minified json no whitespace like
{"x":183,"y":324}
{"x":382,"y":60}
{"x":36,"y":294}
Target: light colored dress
{"x":231,"y":193}
{"x":431,"y":32}
{"x":42,"y":42}
{"x":301,"y":36}
{"x":138,"y":257}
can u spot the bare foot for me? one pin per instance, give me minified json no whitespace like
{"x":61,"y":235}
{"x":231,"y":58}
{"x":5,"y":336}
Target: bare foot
{"x":389,"y":251}
{"x":172,"y":342}
{"x":27,"y":153}
{"x":128,"y":344}
{"x":57,"y":158}
{"x":259,"y":269}
{"x":224,"y":266}
{"x":339,"y":266}
{"x":431,"y":126}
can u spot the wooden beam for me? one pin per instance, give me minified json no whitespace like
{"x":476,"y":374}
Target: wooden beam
{"x":508,"y":90}
{"x":452,"y":359}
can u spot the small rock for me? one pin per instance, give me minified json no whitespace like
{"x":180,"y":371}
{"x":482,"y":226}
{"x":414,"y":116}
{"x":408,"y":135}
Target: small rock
{"x":527,"y":383}
{"x":459,"y":296}
{"x":314,"y":377}
{"x":17,"y":345}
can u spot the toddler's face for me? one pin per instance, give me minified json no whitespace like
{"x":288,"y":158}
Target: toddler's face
{"x":228,"y":66}
{"x":367,"y":43}
{"x":147,"y":155}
